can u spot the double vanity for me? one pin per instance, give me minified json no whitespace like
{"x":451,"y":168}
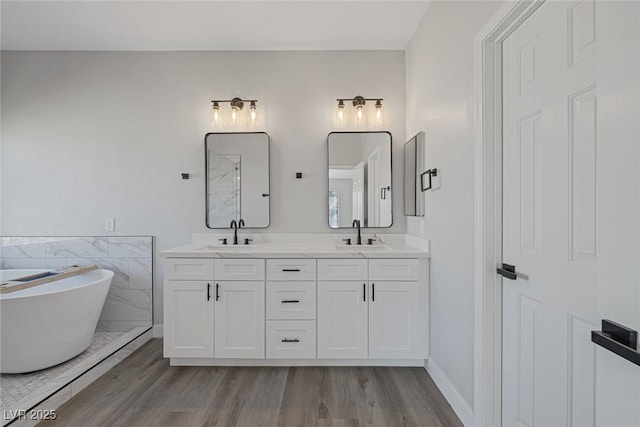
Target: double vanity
{"x":301,"y":299}
{"x":297,"y":303}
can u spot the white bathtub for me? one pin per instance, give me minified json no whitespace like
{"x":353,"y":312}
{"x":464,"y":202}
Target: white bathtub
{"x":48,"y":324}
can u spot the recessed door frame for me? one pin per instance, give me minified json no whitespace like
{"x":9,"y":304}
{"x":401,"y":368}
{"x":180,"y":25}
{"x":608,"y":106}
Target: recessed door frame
{"x":487,"y":51}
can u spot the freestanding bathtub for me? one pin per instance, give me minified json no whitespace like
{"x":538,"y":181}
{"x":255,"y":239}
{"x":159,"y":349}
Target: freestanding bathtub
{"x":48,"y":324}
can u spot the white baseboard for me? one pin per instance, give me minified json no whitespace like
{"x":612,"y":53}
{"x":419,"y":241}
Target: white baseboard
{"x":449,"y":391}
{"x":158,"y":331}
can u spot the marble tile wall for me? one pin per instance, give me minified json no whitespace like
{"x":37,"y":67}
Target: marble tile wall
{"x":129,"y":302}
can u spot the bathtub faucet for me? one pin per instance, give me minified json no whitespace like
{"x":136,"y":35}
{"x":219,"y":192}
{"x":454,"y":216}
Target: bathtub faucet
{"x":235,"y":225}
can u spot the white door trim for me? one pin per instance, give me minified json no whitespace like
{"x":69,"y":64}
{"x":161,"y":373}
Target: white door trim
{"x":488,"y":208}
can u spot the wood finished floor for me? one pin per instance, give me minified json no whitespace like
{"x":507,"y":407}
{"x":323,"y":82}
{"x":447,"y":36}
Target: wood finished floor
{"x":144,"y":390}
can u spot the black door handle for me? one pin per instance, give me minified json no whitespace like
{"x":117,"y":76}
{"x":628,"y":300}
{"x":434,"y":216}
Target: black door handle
{"x":373,"y":292}
{"x":364,"y":292}
{"x":208,"y":291}
{"x":508,"y":271}
{"x":217,"y":291}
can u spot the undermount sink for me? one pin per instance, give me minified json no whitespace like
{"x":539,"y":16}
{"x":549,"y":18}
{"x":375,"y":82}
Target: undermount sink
{"x":360,"y":248}
{"x":226,"y":248}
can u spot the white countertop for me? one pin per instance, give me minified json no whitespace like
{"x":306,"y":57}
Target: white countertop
{"x":301,"y":246}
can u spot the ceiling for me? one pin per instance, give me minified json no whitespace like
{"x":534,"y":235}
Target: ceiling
{"x":209,"y":25}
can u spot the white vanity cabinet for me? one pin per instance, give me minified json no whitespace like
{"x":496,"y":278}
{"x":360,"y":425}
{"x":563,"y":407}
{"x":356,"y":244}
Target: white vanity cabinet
{"x":379,"y":315}
{"x":265,"y":311}
{"x":239,"y":320}
{"x":188,"y":308}
{"x":188,"y":319}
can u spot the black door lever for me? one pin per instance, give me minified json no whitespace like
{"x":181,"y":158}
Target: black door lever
{"x":508,"y":271}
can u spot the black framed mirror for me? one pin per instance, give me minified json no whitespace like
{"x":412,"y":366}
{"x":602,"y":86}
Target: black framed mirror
{"x":237,"y":179}
{"x":359,"y":174}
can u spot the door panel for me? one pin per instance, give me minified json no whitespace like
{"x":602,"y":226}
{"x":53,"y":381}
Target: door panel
{"x":549,"y":221}
{"x":394,"y":321}
{"x":188,"y":321}
{"x":571,"y":203}
{"x":239,"y":324}
{"x":342,"y":320}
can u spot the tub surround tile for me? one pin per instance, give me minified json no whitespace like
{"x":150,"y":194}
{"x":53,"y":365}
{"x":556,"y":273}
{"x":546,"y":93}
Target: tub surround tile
{"x":140,"y":273}
{"x":130,"y":247}
{"x":34,"y":263}
{"x":119,"y":266}
{"x":127,"y":305}
{"x":12,"y":249}
{"x":78,"y":247}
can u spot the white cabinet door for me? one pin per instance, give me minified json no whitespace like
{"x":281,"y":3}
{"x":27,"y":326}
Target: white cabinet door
{"x":239,"y":324}
{"x":188,"y":319}
{"x":342,"y":320}
{"x":395,"y":326}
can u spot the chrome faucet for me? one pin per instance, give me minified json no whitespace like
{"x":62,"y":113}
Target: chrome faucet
{"x":235,"y":225}
{"x":356,"y":224}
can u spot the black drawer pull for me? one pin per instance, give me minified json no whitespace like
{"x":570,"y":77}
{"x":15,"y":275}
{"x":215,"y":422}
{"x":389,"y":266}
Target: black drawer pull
{"x":290,"y":340}
{"x":296,"y":270}
{"x":290,"y":301}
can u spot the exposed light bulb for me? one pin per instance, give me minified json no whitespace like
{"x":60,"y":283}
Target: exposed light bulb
{"x":234,"y":114}
{"x":215,"y":113}
{"x":359,"y":103}
{"x":360,"y":113}
{"x":341,"y":114}
{"x":253,"y":113}
{"x":378,"y":113}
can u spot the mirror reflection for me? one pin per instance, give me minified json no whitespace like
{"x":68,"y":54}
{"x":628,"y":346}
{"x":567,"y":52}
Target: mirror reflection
{"x":360,"y":179}
{"x":413,"y":168}
{"x":237,"y":179}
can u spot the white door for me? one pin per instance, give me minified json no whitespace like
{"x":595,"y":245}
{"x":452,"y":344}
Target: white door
{"x":342,"y":320}
{"x":188,"y":319}
{"x":358,"y":196}
{"x":557,"y":155}
{"x":394,"y":321}
{"x":239,"y":321}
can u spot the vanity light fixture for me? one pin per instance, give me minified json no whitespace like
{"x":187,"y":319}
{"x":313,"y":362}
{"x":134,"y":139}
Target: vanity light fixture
{"x":236,"y":106}
{"x":359,"y":104}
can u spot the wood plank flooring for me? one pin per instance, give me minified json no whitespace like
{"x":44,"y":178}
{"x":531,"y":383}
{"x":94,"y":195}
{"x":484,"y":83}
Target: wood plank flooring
{"x":144,"y":390}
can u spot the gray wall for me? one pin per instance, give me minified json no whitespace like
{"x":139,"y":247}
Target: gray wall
{"x":93,"y":135}
{"x":440,"y":101}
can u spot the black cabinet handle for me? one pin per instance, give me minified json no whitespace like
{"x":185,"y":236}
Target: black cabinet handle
{"x":508,"y":271}
{"x":364,"y":292}
{"x":290,"y":340}
{"x":291,"y":269}
{"x":208,"y":291}
{"x":290,"y":301}
{"x":217,"y":291}
{"x":373,"y":292}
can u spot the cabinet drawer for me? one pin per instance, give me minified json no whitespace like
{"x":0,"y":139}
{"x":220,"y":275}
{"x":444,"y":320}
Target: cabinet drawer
{"x":291,"y":300}
{"x":342,"y":269}
{"x":291,"y":339}
{"x":239,"y":269}
{"x":291,"y":269}
{"x":394,"y":269}
{"x":188,"y":269}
